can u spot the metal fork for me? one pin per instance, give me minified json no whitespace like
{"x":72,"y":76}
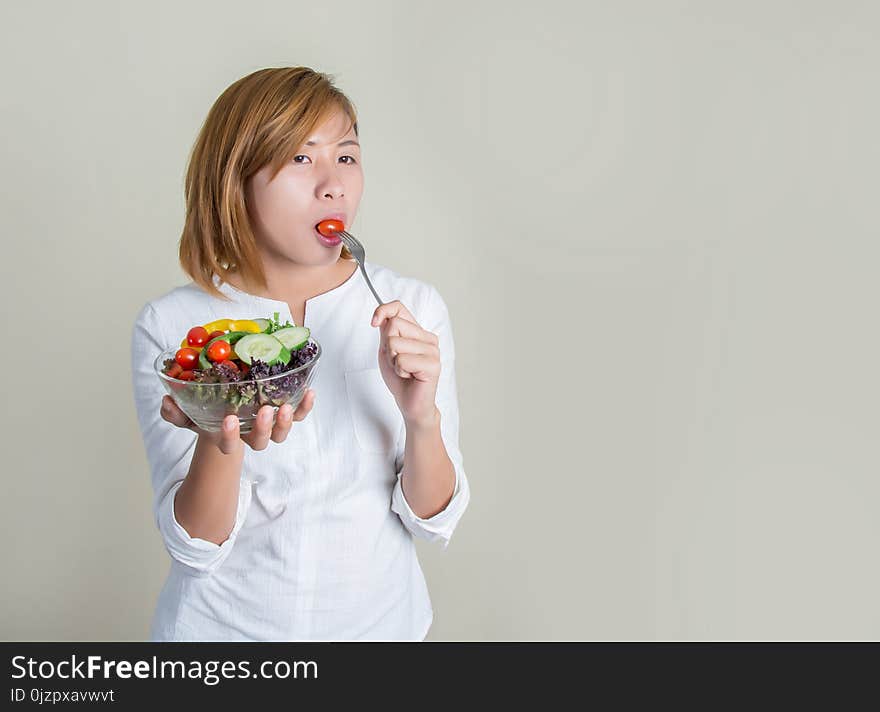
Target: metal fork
{"x":357,"y":250}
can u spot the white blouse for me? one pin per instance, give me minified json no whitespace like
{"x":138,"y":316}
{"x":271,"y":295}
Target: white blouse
{"x":322,"y":547}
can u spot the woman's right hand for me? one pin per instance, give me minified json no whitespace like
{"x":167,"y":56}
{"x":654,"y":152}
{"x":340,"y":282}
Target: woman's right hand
{"x":258,"y":438}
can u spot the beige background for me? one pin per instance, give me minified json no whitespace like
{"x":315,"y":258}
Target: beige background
{"x":655,"y":226}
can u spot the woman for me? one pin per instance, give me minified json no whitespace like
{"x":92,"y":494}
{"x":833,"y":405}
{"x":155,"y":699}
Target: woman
{"x":302,"y":529}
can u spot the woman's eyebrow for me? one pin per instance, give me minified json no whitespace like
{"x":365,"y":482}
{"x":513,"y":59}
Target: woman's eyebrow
{"x":341,"y":143}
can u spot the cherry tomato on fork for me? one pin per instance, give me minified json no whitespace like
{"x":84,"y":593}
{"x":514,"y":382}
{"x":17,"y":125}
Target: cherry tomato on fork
{"x":329,"y":228}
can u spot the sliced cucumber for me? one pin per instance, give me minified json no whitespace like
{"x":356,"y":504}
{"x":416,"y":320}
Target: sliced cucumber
{"x":264,"y":324}
{"x":262,"y":346}
{"x":293,"y":337}
{"x":232,"y":337}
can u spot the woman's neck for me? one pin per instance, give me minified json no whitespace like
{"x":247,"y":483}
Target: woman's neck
{"x":297,"y":287}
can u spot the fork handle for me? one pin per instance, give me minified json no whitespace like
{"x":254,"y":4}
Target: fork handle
{"x":369,"y":283}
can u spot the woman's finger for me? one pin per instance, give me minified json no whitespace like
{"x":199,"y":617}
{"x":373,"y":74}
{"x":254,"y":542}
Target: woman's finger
{"x":283,"y":423}
{"x":390,"y":310}
{"x":305,"y":406}
{"x":171,"y":412}
{"x":398,"y":326}
{"x":287,"y":416}
{"x":403,"y":345}
{"x":230,"y":437}
{"x":419,"y":366}
{"x":258,"y":438}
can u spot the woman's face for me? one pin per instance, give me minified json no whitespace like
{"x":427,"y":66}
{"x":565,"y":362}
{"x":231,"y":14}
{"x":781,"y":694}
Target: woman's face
{"x":324,"y":177}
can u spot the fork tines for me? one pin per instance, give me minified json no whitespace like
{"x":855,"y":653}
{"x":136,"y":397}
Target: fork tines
{"x":348,"y":236}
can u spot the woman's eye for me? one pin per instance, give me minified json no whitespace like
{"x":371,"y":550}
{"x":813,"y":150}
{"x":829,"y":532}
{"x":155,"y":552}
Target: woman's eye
{"x":350,"y":162}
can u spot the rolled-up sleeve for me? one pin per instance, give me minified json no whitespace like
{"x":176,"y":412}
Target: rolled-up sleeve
{"x":169,"y":451}
{"x":438,"y":528}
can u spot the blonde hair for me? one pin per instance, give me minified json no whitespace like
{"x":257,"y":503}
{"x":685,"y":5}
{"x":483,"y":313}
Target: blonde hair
{"x":259,"y":120}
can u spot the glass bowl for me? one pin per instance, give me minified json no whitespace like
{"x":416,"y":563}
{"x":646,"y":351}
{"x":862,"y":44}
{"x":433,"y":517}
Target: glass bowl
{"x":207,"y":404}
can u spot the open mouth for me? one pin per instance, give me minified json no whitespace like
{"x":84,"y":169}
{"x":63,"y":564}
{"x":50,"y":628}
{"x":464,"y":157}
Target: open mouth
{"x":330,"y":241}
{"x":328,"y":230}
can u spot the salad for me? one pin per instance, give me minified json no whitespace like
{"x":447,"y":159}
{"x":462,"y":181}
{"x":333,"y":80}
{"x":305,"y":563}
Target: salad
{"x":243,"y":353}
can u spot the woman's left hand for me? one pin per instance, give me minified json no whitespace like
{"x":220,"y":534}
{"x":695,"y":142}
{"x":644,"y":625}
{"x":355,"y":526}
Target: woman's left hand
{"x":409,"y":360}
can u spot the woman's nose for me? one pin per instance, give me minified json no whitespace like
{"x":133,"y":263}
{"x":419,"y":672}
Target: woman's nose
{"x":331,"y":186}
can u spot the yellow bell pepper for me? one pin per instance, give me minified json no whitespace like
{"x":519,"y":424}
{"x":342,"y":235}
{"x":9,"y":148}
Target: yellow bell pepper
{"x":233,"y":325}
{"x":245,"y":325}
{"x":218,"y":325}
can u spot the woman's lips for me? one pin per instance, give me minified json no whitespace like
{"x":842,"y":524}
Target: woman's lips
{"x":328,"y":241}
{"x":327,"y":230}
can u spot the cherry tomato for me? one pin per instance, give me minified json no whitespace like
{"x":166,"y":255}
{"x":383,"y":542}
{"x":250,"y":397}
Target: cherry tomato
{"x":197,"y":336}
{"x":174,"y":370}
{"x":244,"y":369}
{"x":186,"y":344}
{"x":187,"y":358}
{"x":214,"y":335}
{"x":219,"y":351}
{"x":329,"y":228}
{"x":186,"y":375}
{"x":231,"y":364}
